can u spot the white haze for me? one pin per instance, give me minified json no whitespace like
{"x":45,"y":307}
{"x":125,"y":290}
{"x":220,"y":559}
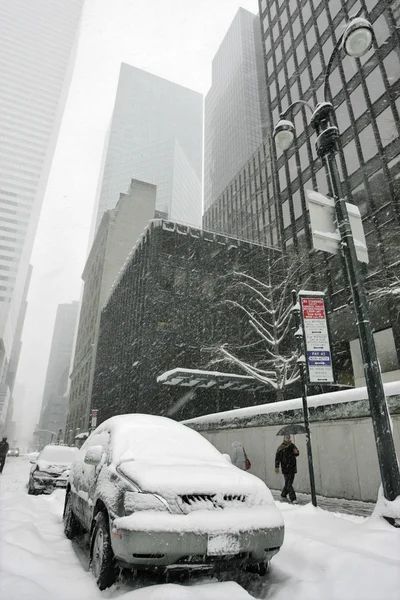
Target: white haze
{"x":175,"y":40}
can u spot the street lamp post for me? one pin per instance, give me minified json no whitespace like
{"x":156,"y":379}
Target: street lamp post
{"x":355,"y":41}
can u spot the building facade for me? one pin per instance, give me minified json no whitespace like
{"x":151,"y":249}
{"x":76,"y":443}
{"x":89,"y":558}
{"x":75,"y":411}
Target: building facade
{"x":155,"y":135}
{"x":168,"y":310}
{"x":38,"y":41}
{"x":235,"y":110}
{"x":298,"y":38}
{"x":118,"y":232}
{"x":54,"y":408}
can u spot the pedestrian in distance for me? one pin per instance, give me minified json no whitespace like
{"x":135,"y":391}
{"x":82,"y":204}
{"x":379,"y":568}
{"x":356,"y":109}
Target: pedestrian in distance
{"x":239,"y":457}
{"x":4,"y":446}
{"x":286,"y":458}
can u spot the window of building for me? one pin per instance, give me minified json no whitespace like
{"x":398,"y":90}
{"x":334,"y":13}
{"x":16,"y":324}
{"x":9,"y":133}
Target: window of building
{"x":278,"y":55}
{"x":265,"y":22}
{"x":300,"y":53}
{"x":294,"y":92}
{"x":270,"y":67}
{"x":334,"y":7}
{"x":299,"y":123}
{"x":316,"y":66}
{"x":305,"y":81}
{"x":283,"y":18}
{"x":375,"y":84}
{"x":273,"y":10}
{"x":351,"y":158}
{"x":392,"y":66}
{"x":296,"y":27}
{"x":286,"y":214}
{"x":281,"y":78}
{"x":321,"y":181}
{"x":386,"y":126}
{"x":322,"y":22}
{"x":292,"y":168}
{"x":306,"y":12}
{"x":296,"y":199}
{"x":343,"y":117}
{"x":349,"y":67}
{"x":272,"y":90}
{"x":287,"y":41}
{"x":303,"y":154}
{"x":335,"y":82}
{"x":267,"y":44}
{"x":275,"y":31}
{"x":311,"y":39}
{"x":263,"y":5}
{"x":282,"y":178}
{"x":290,"y":66}
{"x":368,"y":143}
{"x":381,"y":29}
{"x":358,"y":103}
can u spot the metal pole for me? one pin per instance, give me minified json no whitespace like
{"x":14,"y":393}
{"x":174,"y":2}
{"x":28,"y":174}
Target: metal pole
{"x":300,"y":344}
{"x":388,"y":464}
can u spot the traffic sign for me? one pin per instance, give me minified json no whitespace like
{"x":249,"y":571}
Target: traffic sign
{"x":316,"y":337}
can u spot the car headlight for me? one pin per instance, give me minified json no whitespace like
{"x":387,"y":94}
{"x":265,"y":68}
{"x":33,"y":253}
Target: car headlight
{"x":138,"y":501}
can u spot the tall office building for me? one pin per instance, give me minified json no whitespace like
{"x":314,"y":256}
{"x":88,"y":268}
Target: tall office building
{"x":38,"y":41}
{"x":268,"y":193}
{"x":117,"y":233}
{"x":54,"y":404}
{"x":235,"y":110}
{"x":155,"y":135}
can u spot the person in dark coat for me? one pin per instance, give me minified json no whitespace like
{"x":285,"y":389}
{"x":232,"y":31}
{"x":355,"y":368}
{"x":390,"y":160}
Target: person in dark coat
{"x":286,"y":458}
{"x":4,"y":446}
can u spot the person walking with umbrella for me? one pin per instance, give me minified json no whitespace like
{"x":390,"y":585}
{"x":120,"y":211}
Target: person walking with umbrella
{"x":286,"y":458}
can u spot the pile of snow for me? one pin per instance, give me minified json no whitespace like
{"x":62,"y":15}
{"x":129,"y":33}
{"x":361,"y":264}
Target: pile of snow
{"x":353,"y":395}
{"x":386,"y":508}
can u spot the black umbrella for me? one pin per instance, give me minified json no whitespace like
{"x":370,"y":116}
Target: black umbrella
{"x":291,"y":430}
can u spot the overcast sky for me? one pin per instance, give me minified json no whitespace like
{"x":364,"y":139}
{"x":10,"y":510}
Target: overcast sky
{"x":175,"y":40}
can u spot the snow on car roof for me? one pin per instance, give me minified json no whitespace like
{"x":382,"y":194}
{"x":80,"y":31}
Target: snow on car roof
{"x":58,"y":454}
{"x":145,"y":437}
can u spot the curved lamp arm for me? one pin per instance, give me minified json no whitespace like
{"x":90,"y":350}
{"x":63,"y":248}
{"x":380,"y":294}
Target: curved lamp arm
{"x":293,"y":105}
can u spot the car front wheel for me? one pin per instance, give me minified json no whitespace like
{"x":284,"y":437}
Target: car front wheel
{"x":72,"y":527}
{"x":31,"y":488}
{"x":102,"y":557}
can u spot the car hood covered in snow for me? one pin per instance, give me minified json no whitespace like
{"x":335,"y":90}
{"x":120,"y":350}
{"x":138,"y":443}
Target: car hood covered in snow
{"x":48,"y":467}
{"x":201,"y":478}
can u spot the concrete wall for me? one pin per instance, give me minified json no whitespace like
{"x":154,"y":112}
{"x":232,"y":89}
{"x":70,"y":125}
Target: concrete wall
{"x":344,"y":454}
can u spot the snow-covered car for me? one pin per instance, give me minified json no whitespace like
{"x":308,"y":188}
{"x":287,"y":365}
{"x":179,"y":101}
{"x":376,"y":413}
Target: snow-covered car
{"x":154,"y":494}
{"x":50,"y":469}
{"x":13,"y":452}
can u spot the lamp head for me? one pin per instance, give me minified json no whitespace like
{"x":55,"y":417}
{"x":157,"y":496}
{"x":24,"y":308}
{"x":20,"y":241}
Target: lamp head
{"x":358,"y":37}
{"x":284,"y":134}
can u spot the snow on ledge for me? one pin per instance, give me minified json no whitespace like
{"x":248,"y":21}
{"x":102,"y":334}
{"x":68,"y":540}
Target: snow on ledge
{"x":356,"y":394}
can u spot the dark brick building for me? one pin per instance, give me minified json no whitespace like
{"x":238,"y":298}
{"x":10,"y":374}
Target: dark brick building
{"x":167,"y":310}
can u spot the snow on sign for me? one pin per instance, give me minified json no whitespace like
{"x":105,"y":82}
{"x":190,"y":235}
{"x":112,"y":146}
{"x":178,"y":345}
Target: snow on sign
{"x":316,"y":338}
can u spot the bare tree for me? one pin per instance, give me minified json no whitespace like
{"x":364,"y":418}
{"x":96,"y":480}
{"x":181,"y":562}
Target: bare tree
{"x":267,"y":310}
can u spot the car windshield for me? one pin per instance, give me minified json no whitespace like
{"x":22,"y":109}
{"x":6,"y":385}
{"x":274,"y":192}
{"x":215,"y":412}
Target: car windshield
{"x":161,"y":441}
{"x":62,"y":455}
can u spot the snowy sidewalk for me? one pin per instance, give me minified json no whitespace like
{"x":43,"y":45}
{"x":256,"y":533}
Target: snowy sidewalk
{"x":337,"y":505}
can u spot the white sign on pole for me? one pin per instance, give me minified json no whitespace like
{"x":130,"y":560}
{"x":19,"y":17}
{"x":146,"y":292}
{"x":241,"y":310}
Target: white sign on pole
{"x":324,"y":228}
{"x":316,"y":338}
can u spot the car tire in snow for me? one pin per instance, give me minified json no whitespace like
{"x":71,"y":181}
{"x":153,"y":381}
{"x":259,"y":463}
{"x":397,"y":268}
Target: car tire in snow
{"x":102,"y":560}
{"x":260,"y":568}
{"x":31,"y":489}
{"x":72,"y":527}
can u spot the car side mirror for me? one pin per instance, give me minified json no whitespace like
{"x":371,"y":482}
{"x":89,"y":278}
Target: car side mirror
{"x":227,"y":458}
{"x":93,"y":455}
{"x":33,"y":462}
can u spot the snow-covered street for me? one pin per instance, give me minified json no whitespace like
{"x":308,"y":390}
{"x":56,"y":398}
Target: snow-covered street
{"x":325,"y":555}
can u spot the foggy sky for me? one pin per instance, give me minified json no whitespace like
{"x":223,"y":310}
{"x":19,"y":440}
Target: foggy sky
{"x":175,"y":40}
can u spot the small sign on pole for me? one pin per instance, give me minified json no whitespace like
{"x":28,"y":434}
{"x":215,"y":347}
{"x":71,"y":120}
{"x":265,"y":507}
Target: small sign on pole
{"x":324,"y":228}
{"x":94,"y":418}
{"x":318,"y":353}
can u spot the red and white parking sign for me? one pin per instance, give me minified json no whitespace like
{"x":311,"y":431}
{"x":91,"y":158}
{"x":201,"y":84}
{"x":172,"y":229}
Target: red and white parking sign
{"x":94,"y":418}
{"x":316,"y":338}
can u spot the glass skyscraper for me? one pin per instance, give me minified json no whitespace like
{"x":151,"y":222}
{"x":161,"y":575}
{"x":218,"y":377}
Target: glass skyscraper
{"x":156,"y":136}
{"x":235,"y":110}
{"x":38,"y":40}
